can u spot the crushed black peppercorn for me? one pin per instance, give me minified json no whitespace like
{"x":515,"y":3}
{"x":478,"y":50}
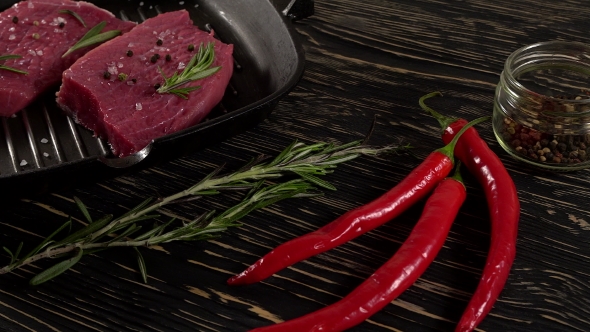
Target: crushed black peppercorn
{"x":62,"y":24}
{"x":134,"y":80}
{"x":155,"y":58}
{"x":168,"y":57}
{"x":191,"y":47}
{"x":129,"y":53}
{"x":159,"y":42}
{"x":14,"y":19}
{"x":157,"y":86}
{"x":106,"y":75}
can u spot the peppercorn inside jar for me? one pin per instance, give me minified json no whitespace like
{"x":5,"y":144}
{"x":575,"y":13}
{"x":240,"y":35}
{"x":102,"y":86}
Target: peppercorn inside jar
{"x":542,"y":105}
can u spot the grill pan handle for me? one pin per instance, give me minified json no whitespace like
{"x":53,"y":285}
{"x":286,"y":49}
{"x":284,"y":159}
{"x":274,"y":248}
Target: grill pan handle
{"x":295,"y":9}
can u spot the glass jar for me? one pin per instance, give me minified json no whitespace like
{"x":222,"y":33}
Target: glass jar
{"x":542,"y":105}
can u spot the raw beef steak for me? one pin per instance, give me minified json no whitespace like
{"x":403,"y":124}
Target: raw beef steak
{"x":41,"y":34}
{"x":112,"y":89}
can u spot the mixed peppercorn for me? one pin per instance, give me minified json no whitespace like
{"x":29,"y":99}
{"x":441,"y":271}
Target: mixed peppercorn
{"x":543,"y":147}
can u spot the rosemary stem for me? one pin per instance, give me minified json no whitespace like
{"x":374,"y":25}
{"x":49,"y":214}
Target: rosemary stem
{"x":255,"y":173}
{"x":299,"y":159}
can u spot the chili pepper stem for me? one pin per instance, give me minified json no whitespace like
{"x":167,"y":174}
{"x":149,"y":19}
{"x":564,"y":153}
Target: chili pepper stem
{"x":448,"y":150}
{"x":457,"y":175}
{"x":444,"y":121}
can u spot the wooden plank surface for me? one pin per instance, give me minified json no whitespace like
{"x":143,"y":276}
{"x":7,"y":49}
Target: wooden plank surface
{"x":365,"y":60}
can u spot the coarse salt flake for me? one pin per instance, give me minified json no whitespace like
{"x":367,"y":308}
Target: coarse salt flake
{"x":11,"y":29}
{"x":56,"y":21}
{"x":138,"y":106}
{"x":30,"y":5}
{"x":11,"y":37}
{"x":141,"y":3}
{"x":24,"y":163}
{"x":39,"y":52}
{"x":181,"y":65}
{"x":181,"y":3}
{"x":165,"y":33}
{"x":44,"y":140}
{"x":112,"y":68}
{"x":32,"y":52}
{"x":120,"y":65}
{"x":45,"y":154}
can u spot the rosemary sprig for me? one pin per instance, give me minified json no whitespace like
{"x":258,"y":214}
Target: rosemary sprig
{"x":197,"y":68}
{"x":93,"y":36}
{"x":75,"y":15}
{"x":306,"y":161}
{"x":11,"y":56}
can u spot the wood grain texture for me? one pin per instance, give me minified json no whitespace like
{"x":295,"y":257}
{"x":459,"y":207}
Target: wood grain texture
{"x":365,"y":60}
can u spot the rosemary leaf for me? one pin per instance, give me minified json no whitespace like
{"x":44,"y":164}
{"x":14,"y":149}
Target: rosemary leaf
{"x":17,"y":252}
{"x":76,"y":16}
{"x":93,"y":36}
{"x":157,"y":230}
{"x":138,"y":207}
{"x":142,"y":267}
{"x":89,"y":229}
{"x":197,"y":68}
{"x":83,"y":208}
{"x":161,"y":230}
{"x":283,"y":154}
{"x":11,"y":56}
{"x":12,"y":259}
{"x":315,"y":180}
{"x":56,"y":270}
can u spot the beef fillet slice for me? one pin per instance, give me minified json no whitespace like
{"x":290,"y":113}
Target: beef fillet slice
{"x":112,"y":89}
{"x":37,"y":31}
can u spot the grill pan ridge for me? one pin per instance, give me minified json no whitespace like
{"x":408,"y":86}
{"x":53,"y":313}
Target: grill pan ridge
{"x":42,"y":149}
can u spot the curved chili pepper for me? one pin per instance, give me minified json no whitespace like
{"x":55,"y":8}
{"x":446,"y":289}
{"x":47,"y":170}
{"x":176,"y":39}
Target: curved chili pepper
{"x":412,"y":188}
{"x":397,"y":274}
{"x":504,"y":209}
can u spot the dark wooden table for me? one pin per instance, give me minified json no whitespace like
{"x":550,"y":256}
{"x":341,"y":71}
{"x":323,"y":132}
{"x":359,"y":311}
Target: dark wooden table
{"x":365,"y":60}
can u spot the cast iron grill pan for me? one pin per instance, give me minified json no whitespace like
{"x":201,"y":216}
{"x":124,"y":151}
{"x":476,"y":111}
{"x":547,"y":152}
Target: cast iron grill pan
{"x":42,"y":149}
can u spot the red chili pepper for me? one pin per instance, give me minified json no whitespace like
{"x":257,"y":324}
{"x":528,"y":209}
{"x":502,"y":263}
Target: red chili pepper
{"x":412,"y":188}
{"x":397,"y":274}
{"x":504,"y":208}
